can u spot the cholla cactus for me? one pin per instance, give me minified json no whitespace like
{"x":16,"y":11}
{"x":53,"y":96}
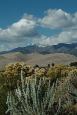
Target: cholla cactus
{"x":34,"y":97}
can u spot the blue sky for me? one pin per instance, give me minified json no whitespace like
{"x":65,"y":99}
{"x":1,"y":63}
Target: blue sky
{"x":13,"y":10}
{"x":41,"y":22}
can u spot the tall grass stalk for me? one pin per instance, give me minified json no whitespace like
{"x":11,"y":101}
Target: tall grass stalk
{"x":35,"y":96}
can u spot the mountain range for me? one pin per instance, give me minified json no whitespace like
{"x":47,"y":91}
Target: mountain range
{"x":59,"y":54}
{"x":59,"y":48}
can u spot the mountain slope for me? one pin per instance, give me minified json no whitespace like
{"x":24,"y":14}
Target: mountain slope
{"x":58,"y":58}
{"x":36,"y":58}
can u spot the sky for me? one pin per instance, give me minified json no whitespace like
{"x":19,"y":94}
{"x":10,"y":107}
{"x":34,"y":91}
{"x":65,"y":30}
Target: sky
{"x":40,"y":22}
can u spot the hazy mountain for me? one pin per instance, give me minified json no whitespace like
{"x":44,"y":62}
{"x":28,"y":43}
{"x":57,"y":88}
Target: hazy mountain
{"x":59,"y":48}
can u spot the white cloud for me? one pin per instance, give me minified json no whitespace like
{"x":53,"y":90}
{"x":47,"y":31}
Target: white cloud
{"x":57,"y":18}
{"x":24,"y":27}
{"x":63,"y":37}
{"x":18,"y":33}
{"x":25,"y":31}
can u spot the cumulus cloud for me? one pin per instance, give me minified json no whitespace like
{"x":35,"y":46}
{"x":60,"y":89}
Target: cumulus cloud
{"x":63,"y":37}
{"x":57,"y":18}
{"x":18,"y":33}
{"x":25,"y":31}
{"x":24,"y":27}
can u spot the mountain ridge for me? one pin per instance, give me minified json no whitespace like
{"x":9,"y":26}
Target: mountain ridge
{"x":59,"y":48}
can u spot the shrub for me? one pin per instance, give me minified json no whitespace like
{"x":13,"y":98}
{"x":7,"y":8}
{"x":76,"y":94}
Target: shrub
{"x":73,"y":64}
{"x":40,"y":90}
{"x":34,"y":97}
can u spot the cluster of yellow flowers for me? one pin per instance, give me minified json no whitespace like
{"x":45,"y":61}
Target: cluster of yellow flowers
{"x":59,"y":71}
{"x":40,"y":71}
{"x":13,"y":71}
